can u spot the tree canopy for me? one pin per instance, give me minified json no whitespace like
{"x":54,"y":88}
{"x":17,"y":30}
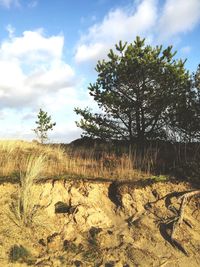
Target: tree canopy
{"x":143,"y":92}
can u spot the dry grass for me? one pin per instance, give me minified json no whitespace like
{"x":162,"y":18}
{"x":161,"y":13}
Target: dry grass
{"x":25,"y":204}
{"x":16,"y":160}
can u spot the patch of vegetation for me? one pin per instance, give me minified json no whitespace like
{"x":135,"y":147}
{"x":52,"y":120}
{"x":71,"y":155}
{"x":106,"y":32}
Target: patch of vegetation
{"x":160,"y":178}
{"x":18,"y":253}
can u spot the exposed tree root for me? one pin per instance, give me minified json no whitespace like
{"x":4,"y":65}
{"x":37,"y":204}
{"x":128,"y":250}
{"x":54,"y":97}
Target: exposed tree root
{"x":178,"y":221}
{"x":168,"y":226}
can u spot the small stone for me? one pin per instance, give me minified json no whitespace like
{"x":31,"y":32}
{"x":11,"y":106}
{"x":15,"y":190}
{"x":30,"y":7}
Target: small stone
{"x":61,"y":207}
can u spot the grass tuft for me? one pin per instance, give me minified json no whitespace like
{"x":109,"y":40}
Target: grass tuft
{"x":24,"y":206}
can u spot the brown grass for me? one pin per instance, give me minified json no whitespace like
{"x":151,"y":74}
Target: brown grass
{"x":16,"y":158}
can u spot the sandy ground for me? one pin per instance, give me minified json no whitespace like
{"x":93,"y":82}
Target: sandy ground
{"x":97,"y":224}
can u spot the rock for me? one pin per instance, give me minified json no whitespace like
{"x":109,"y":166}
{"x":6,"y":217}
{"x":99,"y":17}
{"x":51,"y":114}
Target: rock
{"x":61,"y":207}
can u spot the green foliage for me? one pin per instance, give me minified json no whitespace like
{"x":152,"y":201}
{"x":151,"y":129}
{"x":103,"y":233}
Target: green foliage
{"x":143,"y":93}
{"x":160,"y":178}
{"x":44,"y":125}
{"x":197,"y":79}
{"x":18,"y":253}
{"x":184,"y":115}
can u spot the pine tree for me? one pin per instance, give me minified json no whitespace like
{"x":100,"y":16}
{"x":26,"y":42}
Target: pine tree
{"x":139,"y":89}
{"x":44,"y":125}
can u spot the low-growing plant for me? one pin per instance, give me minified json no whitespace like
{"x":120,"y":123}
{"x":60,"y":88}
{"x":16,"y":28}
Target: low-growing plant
{"x":160,"y":178}
{"x":18,"y":253}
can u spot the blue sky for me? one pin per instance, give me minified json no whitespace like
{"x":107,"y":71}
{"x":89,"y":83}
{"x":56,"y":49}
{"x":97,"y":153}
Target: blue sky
{"x":48,"y":51}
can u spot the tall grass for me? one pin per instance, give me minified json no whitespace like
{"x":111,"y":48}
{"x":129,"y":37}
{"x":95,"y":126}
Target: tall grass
{"x":60,"y":162}
{"x":25,"y":204}
{"x":14,"y":155}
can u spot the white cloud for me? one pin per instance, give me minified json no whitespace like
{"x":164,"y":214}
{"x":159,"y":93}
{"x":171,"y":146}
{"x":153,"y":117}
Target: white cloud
{"x":89,"y":52}
{"x":65,"y":132}
{"x":31,"y":66}
{"x":9,"y":3}
{"x":34,"y":75}
{"x":152,"y":19}
{"x":33,"y":46}
{"x":119,"y":24}
{"x":178,"y":16}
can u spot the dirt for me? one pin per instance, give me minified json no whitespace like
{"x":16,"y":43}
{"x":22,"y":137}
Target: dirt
{"x":98,"y":224}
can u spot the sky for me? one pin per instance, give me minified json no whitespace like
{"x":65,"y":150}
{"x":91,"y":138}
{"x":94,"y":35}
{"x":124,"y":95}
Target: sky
{"x":49,"y":50}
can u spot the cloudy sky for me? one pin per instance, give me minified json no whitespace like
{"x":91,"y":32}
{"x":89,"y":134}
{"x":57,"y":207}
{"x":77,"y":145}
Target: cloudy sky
{"x":48,"y":51}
